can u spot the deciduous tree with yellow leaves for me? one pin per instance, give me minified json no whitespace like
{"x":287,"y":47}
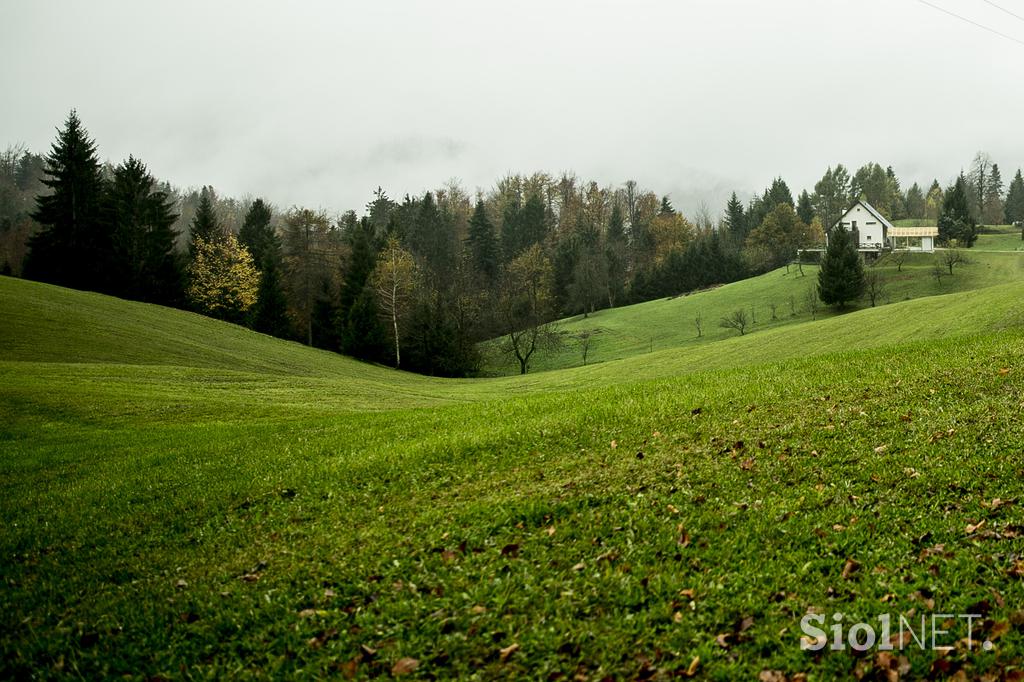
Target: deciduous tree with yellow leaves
{"x":222,"y":278}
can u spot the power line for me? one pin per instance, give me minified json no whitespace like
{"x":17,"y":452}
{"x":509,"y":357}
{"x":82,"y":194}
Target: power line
{"x":1003,"y":9}
{"x":971,"y":22}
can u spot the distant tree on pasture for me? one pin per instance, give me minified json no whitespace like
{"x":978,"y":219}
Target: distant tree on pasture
{"x":956,"y":221}
{"x":841,"y":276}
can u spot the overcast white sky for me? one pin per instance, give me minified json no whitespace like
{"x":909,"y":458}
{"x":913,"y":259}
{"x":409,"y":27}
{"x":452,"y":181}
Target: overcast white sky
{"x":317,"y":103}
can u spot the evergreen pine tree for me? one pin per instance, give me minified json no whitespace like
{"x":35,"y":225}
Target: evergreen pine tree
{"x":994,"y":213}
{"x":915,"y":202}
{"x":777,"y":194}
{"x":736,"y":220}
{"x":841,"y":277}
{"x":144,"y":265}
{"x":805,"y":208}
{"x":324,"y":318}
{"x":666,"y":207}
{"x":1015,"y":199}
{"x":483,"y":245}
{"x":256,"y":233}
{"x":533,"y":221}
{"x":363,"y":336}
{"x":432,"y":239}
{"x":363,"y":245}
{"x":955,"y":220}
{"x":511,"y":230}
{"x":205,"y":223}
{"x":270,"y":314}
{"x":73,"y":247}
{"x":615,"y":256}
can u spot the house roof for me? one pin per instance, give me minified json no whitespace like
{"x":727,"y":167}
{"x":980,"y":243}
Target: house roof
{"x":873,"y":211}
{"x":914,"y":232}
{"x":870,"y":209}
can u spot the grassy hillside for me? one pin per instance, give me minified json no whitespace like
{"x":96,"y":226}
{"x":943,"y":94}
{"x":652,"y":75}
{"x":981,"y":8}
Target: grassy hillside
{"x":669,"y":323}
{"x":1000,"y":238}
{"x":185,"y":499}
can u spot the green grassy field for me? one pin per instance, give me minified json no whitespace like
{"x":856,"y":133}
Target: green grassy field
{"x":183,"y":498}
{"x":1000,"y":238}
{"x":669,"y":323}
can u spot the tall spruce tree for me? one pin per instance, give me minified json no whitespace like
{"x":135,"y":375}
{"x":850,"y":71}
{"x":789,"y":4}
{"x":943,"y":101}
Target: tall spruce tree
{"x":270,"y":314}
{"x":483,"y":245}
{"x":144,"y":265}
{"x":805,"y":208}
{"x":735,"y":220}
{"x":432,"y":239}
{"x":363,"y":335}
{"x":915,"y":202}
{"x":778,"y":194}
{"x":994,"y":212}
{"x":257,"y":234}
{"x":615,"y":252}
{"x":511,"y":230}
{"x":205,"y":223}
{"x":1015,"y":199}
{"x":359,"y":328}
{"x":956,"y":220}
{"x":841,"y":277}
{"x":73,"y":247}
{"x":533,"y":221}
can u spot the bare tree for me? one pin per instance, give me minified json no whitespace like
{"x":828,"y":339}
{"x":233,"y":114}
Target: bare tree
{"x":874,"y":287}
{"x":737,"y":320}
{"x":951,"y":258}
{"x":583,"y":340}
{"x":774,"y":307}
{"x":938,"y":271}
{"x":698,"y":322}
{"x":394,"y":280}
{"x":525,"y":306}
{"x":899,"y":258}
{"x":703,"y":220}
{"x":792,"y":305}
{"x":812,"y":302}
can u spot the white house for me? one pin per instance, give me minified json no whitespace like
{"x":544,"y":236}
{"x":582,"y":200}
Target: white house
{"x":873,"y":233}
{"x":869,"y":228}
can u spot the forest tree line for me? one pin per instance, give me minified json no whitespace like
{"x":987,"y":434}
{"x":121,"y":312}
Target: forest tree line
{"x":419,"y":282}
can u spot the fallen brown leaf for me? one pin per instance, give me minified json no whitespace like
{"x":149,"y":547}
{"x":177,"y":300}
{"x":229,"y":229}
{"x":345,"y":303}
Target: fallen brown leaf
{"x":404,"y":666}
{"x":508,"y":651}
{"x":971,"y":528}
{"x":772,"y":676}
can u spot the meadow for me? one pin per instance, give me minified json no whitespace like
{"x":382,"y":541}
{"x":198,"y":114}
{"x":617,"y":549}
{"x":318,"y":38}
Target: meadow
{"x":187,"y":499}
{"x":776,"y":299}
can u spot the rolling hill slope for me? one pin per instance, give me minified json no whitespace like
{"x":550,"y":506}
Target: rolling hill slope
{"x":183,"y":498}
{"x":669,"y":323}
